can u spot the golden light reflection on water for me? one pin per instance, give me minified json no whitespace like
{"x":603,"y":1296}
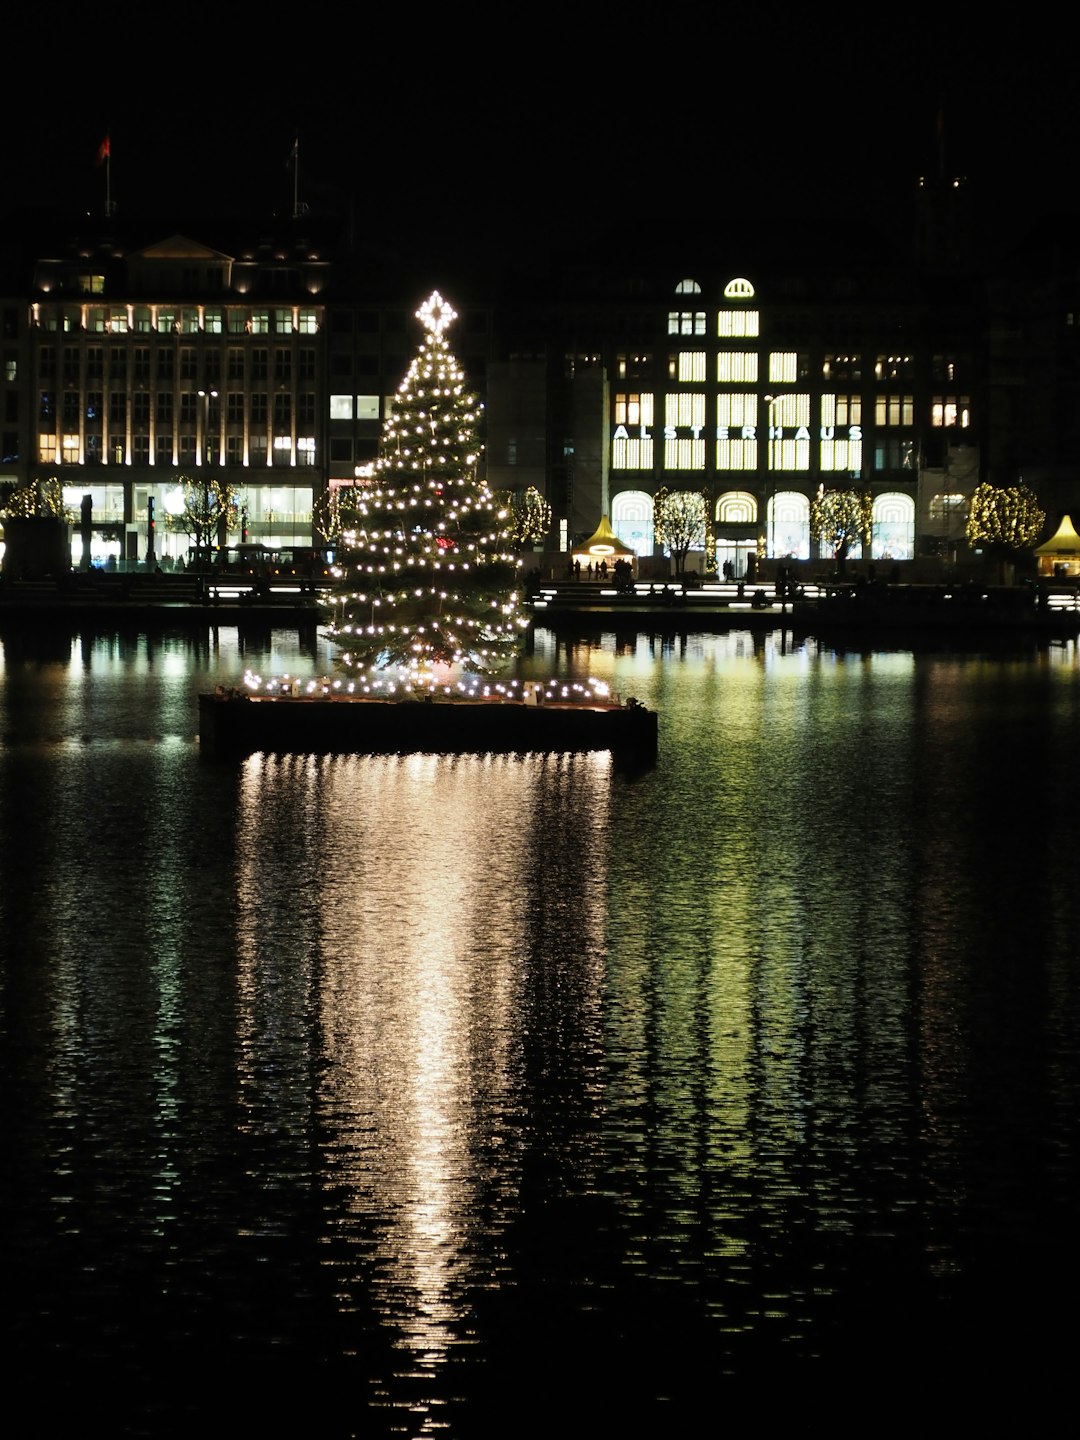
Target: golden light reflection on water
{"x":426,"y":884}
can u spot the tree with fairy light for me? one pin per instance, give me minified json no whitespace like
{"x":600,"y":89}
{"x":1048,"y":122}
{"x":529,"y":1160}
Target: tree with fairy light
{"x":1006,"y":521}
{"x":839,"y":518}
{"x":681,"y":523}
{"x":431,"y":584}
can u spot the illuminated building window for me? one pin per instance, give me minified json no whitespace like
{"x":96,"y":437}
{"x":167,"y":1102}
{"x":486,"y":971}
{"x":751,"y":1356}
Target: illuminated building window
{"x":686,"y":322}
{"x":894,"y":410}
{"x":684,"y":454}
{"x":790,"y":453}
{"x":949,"y":410}
{"x":631,"y":409}
{"x":70,"y":450}
{"x":893,"y":532}
{"x":788,"y":411}
{"x":736,"y":507}
{"x":632,"y":520}
{"x":90,"y":284}
{"x":688,"y":287}
{"x":783,"y":367}
{"x":305,"y":450}
{"x":736,"y":324}
{"x":688,"y":367}
{"x":841,"y":455}
{"x":235,"y":320}
{"x":282,"y":450}
{"x":631,"y":453}
{"x":893,"y":367}
{"x":841,"y":410}
{"x":283,"y":320}
{"x":308,"y":322}
{"x":212,"y":321}
{"x":189,"y":320}
{"x":260,"y":322}
{"x":341,"y":407}
{"x":686,"y":410}
{"x":118,"y":321}
{"x":733,"y":411}
{"x":738,"y":454}
{"x":367,"y":407}
{"x":47,"y":448}
{"x":737,"y":367}
{"x":166,"y":320}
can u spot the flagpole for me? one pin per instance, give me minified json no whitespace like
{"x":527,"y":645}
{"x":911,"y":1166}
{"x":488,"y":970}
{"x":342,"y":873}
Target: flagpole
{"x":296,"y":178}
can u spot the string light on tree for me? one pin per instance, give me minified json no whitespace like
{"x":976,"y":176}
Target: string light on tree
{"x":433,"y":583}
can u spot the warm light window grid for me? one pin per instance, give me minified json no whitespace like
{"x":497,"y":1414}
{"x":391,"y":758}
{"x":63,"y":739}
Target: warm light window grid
{"x":686,"y":410}
{"x":736,"y":454}
{"x":737,"y":367}
{"x":783,"y":367}
{"x":682,"y":454}
{"x":632,"y":454}
{"x":737,"y":324}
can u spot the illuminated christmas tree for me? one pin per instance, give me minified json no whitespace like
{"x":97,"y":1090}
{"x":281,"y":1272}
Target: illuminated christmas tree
{"x":431,"y":585}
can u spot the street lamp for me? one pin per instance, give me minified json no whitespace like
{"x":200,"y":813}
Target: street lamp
{"x":772,"y":401}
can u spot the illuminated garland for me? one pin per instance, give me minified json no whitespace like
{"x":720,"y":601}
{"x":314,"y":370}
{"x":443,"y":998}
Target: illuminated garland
{"x":430,"y":580}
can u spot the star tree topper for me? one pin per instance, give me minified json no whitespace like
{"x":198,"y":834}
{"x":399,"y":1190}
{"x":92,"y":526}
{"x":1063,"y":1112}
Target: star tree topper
{"x":435,"y":314}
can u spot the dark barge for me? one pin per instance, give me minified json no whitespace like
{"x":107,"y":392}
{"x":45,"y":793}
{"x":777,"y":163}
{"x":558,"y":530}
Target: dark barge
{"x":236,"y":723}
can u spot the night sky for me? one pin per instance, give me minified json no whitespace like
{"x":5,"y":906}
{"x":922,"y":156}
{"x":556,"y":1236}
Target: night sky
{"x":531,"y":135}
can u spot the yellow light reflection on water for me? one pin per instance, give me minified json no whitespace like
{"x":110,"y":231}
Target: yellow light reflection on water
{"x":422,"y":889}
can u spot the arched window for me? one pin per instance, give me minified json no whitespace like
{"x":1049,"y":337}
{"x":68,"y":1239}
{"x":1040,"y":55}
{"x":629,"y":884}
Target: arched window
{"x":894,"y":527}
{"x":632,"y":520}
{"x":736,"y":507}
{"x":788,"y":534}
{"x":688,"y":287}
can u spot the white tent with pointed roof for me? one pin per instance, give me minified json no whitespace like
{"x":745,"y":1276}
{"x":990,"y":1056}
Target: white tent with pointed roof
{"x":603,"y":546}
{"x":1060,"y":555}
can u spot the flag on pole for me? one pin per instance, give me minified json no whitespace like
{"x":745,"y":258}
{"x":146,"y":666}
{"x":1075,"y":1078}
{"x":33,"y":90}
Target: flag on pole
{"x":103,"y":152}
{"x":294,"y":153}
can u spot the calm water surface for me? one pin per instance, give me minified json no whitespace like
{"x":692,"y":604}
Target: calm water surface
{"x":492,"y":1096}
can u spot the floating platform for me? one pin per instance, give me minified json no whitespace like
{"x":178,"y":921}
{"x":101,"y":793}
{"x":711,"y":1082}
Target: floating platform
{"x":235,"y":723}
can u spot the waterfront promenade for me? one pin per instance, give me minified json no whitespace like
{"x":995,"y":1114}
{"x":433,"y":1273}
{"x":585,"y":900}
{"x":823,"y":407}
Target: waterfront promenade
{"x":1048,"y":607}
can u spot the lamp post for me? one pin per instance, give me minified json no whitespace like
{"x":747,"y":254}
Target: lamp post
{"x":772,"y":401}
